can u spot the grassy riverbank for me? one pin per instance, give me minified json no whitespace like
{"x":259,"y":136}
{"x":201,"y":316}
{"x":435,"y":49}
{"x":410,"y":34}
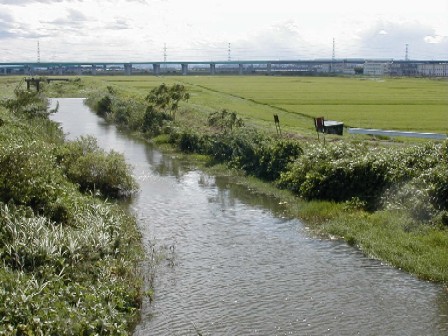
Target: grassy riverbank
{"x":69,"y":258}
{"x":387,"y":198}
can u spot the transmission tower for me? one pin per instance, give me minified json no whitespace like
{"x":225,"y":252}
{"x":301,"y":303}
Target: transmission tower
{"x":333,"y":56}
{"x":406,"y":56}
{"x":38,"y":51}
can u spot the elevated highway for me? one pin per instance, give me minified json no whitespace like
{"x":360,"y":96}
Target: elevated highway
{"x":156,"y":67}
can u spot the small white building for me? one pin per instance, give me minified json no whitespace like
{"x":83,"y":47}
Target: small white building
{"x":377,"y":68}
{"x":433,"y":70}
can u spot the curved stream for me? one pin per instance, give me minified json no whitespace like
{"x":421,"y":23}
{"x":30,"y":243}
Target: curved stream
{"x":236,"y":266}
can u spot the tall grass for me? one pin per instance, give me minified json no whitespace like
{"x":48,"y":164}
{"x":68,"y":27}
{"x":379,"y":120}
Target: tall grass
{"x":68,"y":260}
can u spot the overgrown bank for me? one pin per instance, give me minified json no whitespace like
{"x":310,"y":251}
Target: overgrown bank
{"x":68,"y":257}
{"x":390,"y":201}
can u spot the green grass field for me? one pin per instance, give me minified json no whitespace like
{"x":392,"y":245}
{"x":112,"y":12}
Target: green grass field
{"x":411,"y":104}
{"x":414,"y":104}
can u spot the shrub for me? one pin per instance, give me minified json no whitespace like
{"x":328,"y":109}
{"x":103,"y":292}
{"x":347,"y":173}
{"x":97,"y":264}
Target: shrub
{"x":375,"y":176}
{"x":438,"y":186}
{"x":189,"y":142}
{"x":166,"y":99}
{"x":275,"y":157}
{"x":103,"y":106}
{"x":94,"y":170}
{"x":30,"y":104}
{"x":67,"y":280}
{"x":154,"y":120}
{"x":106,"y":173}
{"x":29,"y":177}
{"x":224,"y":121}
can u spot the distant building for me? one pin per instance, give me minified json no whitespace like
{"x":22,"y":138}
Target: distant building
{"x":377,"y":68}
{"x":433,"y":70}
{"x":404,"y":69}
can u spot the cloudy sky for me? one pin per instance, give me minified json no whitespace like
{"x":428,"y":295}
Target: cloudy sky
{"x":139,"y":30}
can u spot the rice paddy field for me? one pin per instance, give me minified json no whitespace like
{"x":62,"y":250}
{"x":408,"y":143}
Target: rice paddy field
{"x":408,"y":104}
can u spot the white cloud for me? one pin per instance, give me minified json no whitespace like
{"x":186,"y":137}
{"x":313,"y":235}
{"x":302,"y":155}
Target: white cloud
{"x":199,"y":29}
{"x":372,"y":43}
{"x":436,"y":39}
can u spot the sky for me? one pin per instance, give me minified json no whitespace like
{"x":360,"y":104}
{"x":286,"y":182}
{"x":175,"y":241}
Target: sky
{"x":215,"y":30}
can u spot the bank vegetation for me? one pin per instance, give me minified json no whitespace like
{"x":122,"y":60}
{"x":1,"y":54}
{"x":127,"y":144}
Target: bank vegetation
{"x":69,"y":257}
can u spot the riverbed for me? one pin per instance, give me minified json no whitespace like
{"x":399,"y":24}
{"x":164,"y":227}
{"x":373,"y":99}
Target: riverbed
{"x":234,"y":264}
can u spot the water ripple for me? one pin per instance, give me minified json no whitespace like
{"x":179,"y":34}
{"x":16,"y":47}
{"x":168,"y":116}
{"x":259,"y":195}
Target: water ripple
{"x":242,"y":269}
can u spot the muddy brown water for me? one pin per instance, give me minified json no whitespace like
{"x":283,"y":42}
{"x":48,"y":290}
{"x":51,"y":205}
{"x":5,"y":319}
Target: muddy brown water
{"x":234,"y":264}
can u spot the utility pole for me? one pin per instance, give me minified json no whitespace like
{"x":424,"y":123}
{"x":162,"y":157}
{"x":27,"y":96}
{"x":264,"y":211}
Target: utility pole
{"x":406,"y":57}
{"x":229,"y":58}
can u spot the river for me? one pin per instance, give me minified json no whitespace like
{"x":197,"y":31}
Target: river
{"x":235,"y":265}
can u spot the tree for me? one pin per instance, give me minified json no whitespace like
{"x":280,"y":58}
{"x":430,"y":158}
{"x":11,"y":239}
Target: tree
{"x":359,"y":70}
{"x":224,"y":120}
{"x":167,"y":99}
{"x":28,"y":103}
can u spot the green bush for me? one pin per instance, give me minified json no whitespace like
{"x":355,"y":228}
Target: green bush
{"x":106,"y":173}
{"x":95,"y":170}
{"x":103,"y":106}
{"x":154,"y":121}
{"x":275,"y":157}
{"x":224,"y":121}
{"x":128,"y":113}
{"x":30,"y":104}
{"x":242,"y":148}
{"x":64,"y":280}
{"x":438,"y":189}
{"x":29,"y":177}
{"x":68,"y":260}
{"x":340,"y":172}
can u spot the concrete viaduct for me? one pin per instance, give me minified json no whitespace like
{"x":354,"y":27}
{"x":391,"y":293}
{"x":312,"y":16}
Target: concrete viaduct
{"x":29,"y":68}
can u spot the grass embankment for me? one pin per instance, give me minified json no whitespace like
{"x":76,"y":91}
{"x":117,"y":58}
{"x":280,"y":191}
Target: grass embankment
{"x":388,"y":200}
{"x":69,"y":259}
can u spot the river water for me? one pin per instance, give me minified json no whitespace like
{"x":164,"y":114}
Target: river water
{"x":233,"y":264}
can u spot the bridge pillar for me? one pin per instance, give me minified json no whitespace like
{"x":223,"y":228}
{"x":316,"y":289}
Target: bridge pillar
{"x":93,"y":69}
{"x":104,"y":68}
{"x":156,"y":69}
{"x":128,"y":69}
{"x":29,"y":70}
{"x":212,"y":68}
{"x":78,"y":70}
{"x":5,"y":71}
{"x":184,"y":69}
{"x":269,"y":68}
{"x":60,"y":70}
{"x":240,"y":69}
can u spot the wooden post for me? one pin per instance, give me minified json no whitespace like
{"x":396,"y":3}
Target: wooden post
{"x":277,"y":125}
